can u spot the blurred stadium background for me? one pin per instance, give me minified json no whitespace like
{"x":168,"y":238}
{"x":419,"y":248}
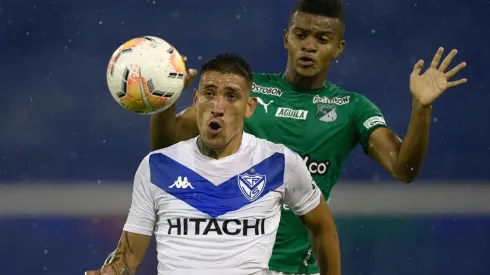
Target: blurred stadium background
{"x":68,"y":152}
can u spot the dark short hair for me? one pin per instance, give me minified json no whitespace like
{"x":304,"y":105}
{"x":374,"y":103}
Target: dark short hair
{"x":228,"y":63}
{"x":327,"y":8}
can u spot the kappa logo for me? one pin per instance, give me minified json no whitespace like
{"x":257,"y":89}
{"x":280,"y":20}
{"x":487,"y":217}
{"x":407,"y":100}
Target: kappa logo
{"x":326,"y":112}
{"x":334,"y":100}
{"x":266,"y":90}
{"x":251,"y":185}
{"x":181,"y":184}
{"x":261,"y":102}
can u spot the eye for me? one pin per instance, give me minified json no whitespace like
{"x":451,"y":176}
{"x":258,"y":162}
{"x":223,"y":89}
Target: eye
{"x":323,"y":40}
{"x":231,"y":96}
{"x":300,"y":35}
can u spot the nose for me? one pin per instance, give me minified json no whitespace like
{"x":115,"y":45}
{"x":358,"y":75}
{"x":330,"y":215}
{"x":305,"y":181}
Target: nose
{"x":218,"y":107}
{"x":309,"y":45}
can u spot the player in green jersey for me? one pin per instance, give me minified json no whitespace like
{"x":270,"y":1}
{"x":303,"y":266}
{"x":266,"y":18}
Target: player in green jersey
{"x":321,"y":121}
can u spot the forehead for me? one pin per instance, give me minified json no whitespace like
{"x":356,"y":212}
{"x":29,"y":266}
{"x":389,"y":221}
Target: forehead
{"x":315,"y":23}
{"x":213,"y":78}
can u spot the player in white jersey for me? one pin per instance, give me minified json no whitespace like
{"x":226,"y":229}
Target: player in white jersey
{"x":213,"y":202}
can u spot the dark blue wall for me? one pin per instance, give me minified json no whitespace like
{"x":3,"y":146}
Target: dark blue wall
{"x":370,"y":246}
{"x":59,"y":121}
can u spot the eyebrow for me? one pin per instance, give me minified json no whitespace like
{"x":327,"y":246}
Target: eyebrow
{"x":328,"y":32}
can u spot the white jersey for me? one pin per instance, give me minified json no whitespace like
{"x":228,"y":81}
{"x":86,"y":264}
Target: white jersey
{"x":218,"y":216}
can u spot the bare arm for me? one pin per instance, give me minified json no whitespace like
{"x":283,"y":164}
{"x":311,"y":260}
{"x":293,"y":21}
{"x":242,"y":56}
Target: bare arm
{"x":403,"y":160}
{"x":167,"y":128}
{"x":127,"y":257}
{"x":324,"y":238}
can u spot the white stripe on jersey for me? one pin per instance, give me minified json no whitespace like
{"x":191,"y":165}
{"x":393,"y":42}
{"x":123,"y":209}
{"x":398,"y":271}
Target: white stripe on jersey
{"x":218,"y":216}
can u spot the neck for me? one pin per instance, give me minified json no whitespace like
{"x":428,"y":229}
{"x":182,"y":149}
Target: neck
{"x":304,"y":82}
{"x":217,"y":153}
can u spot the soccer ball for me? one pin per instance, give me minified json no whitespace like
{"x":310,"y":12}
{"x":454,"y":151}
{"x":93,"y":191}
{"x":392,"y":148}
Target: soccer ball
{"x":146,"y":75}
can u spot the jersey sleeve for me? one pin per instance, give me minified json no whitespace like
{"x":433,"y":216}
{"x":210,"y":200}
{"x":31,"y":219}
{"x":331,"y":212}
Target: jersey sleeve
{"x":301,"y":192}
{"x":367,"y":118}
{"x":142,"y":214}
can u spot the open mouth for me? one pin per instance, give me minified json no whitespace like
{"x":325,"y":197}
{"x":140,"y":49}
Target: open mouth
{"x":306,"y":61}
{"x":214,"y":127}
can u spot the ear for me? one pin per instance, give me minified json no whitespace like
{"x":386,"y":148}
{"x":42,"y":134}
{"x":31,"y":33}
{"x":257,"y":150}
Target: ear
{"x":286,"y":36}
{"x":194,"y":96}
{"x":339,"y":49}
{"x":252,"y":104}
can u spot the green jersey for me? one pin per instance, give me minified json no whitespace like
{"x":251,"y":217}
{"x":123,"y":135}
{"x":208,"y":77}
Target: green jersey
{"x":322,"y":125}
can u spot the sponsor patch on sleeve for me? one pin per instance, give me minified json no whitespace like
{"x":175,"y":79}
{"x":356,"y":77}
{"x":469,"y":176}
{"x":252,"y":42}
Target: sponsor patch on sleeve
{"x":373,"y":121}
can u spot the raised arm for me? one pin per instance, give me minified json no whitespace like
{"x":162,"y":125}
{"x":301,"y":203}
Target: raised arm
{"x":403,"y":159}
{"x":324,"y":238}
{"x":168,"y":128}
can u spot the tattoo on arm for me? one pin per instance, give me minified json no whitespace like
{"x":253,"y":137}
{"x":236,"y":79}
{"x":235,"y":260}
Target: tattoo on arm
{"x":127,"y":242}
{"x":119,"y":262}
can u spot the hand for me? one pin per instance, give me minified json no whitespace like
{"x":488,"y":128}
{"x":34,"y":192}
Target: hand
{"x":189,"y":76}
{"x":105,"y":270}
{"x":426,"y":88}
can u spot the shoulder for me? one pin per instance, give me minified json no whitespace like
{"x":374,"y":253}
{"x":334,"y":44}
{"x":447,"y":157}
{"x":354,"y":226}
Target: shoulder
{"x":269,"y":147}
{"x":356,"y":103}
{"x":267,"y":84}
{"x":175,"y":150}
{"x":348,"y":96}
{"x":265,"y":77}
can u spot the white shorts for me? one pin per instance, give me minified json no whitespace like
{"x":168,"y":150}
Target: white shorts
{"x":270,"y":272}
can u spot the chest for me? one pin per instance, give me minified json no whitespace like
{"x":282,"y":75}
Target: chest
{"x":303,"y":122}
{"x":234,"y":189}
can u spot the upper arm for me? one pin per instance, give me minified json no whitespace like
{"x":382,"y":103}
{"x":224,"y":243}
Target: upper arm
{"x":142,"y":213}
{"x":377,"y":140}
{"x":367,"y":118}
{"x":167,"y":128}
{"x":383,"y":147}
{"x":187,"y":124}
{"x":319,"y":218}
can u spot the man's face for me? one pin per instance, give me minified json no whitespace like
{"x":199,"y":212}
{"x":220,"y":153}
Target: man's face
{"x":222,"y":102}
{"x":312,"y":42}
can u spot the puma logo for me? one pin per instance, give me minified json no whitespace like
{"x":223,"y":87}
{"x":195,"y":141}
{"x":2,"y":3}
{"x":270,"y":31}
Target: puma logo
{"x":261,"y":102}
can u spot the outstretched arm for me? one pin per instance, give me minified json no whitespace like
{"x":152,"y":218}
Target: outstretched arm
{"x":324,"y":238}
{"x":168,"y":128}
{"x":404,"y":159}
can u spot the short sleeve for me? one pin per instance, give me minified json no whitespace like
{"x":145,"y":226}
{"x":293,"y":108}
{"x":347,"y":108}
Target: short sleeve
{"x":367,"y":118}
{"x":301,"y":193}
{"x":142,"y":214}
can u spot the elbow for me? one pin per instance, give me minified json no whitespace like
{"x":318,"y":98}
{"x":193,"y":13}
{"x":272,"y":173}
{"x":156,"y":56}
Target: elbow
{"x":405,"y":176}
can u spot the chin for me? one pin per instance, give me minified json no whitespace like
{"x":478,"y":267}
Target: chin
{"x":307,"y":72}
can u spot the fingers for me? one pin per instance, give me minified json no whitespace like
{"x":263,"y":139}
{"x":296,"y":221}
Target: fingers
{"x":93,"y":272}
{"x":456,"y":83}
{"x":437,"y":58}
{"x":449,"y":58}
{"x":455,"y":70}
{"x":417,"y":68}
{"x":191,"y":74}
